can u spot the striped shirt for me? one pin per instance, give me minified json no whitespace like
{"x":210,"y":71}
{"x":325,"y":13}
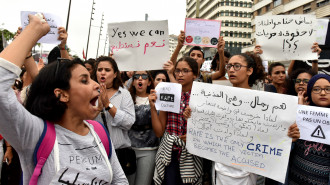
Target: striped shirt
{"x":123,"y":120}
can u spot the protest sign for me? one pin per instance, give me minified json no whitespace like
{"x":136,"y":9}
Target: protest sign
{"x":168,"y":97}
{"x":242,"y":128}
{"x":314,"y":123}
{"x":286,"y":37}
{"x":206,"y":65}
{"x":202,"y":32}
{"x":140,"y":45}
{"x":321,"y":31}
{"x":54,"y":22}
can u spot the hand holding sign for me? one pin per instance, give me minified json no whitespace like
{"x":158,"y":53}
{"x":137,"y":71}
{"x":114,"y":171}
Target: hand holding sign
{"x":52,"y":22}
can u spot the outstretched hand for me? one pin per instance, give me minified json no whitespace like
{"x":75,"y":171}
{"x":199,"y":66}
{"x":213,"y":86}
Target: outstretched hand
{"x":187,"y":112}
{"x":63,"y":36}
{"x":294,"y":132}
{"x":152,"y":98}
{"x":221,"y":45}
{"x":257,"y":50}
{"x":169,"y":67}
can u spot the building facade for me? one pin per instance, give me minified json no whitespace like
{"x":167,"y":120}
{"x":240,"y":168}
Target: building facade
{"x":235,"y":15}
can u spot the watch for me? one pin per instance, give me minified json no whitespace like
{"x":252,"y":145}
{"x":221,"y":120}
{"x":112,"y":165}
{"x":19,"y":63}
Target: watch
{"x":109,"y":107}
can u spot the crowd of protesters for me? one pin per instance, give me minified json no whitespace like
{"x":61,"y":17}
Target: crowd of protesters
{"x":146,"y":146}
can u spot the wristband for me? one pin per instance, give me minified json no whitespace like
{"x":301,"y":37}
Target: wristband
{"x":63,"y":48}
{"x":28,"y":57}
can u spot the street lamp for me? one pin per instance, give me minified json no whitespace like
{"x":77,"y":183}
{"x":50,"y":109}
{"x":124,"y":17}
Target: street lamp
{"x":98,"y":44}
{"x":90,"y":23}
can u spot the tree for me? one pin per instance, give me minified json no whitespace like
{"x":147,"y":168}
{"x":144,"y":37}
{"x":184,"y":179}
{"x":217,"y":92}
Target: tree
{"x":8,"y":36}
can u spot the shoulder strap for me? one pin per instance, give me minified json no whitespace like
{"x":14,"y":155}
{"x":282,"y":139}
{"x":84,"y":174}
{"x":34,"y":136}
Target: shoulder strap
{"x":42,"y":150}
{"x":103,"y":133}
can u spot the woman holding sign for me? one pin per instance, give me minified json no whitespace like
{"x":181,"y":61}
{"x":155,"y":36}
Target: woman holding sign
{"x":174,"y":164}
{"x":61,"y":98}
{"x":311,"y":160}
{"x":243,"y":70}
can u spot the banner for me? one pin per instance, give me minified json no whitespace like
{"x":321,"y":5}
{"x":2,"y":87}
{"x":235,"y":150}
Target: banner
{"x":286,"y":37}
{"x":242,"y":128}
{"x":314,"y":123}
{"x":321,"y":31}
{"x":54,"y":22}
{"x":202,"y":32}
{"x":140,"y":45}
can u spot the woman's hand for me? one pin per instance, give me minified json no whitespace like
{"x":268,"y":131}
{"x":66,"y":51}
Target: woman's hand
{"x":181,"y":38}
{"x":257,"y":50}
{"x":37,"y":23}
{"x":221,"y":45}
{"x":293,"y":132}
{"x":169,"y":67}
{"x":183,"y":138}
{"x":63,"y":36}
{"x":302,"y":100}
{"x":152,"y":98}
{"x":187,"y":112}
{"x":316,"y":49}
{"x":103,"y":95}
{"x":8,"y":155}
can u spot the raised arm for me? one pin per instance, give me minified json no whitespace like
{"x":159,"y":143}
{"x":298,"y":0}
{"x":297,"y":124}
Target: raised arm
{"x":158,"y":121}
{"x":220,"y":71}
{"x":17,"y":51}
{"x":176,"y":52}
{"x":63,"y":36}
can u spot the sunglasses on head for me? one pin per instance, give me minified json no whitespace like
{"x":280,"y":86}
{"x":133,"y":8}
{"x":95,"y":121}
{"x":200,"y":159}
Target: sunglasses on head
{"x":144,"y":76}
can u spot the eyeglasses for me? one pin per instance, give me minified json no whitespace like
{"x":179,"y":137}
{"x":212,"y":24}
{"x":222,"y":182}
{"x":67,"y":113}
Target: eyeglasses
{"x":318,"y":90}
{"x":237,"y":67}
{"x":298,"y":81}
{"x":183,"y":71}
{"x":144,"y":76}
{"x":58,"y":64}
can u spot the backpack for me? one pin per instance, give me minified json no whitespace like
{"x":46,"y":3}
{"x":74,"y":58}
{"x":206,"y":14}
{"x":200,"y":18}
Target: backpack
{"x":47,"y":140}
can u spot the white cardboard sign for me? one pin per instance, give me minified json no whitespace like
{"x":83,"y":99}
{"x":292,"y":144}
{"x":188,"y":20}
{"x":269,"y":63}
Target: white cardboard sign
{"x":168,"y":97}
{"x":314,"y":123}
{"x":242,"y":128}
{"x":286,"y":37}
{"x":54,"y":22}
{"x":321,"y":30}
{"x":139,"y":45}
{"x":202,"y":32}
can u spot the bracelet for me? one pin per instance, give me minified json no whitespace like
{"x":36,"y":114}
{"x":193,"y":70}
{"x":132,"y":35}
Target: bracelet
{"x":28,"y":57}
{"x":63,"y":48}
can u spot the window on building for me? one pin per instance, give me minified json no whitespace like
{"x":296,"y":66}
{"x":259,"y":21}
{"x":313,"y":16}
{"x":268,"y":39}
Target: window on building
{"x":322,"y":3}
{"x":245,"y":4}
{"x":222,"y":13}
{"x":239,"y":44}
{"x":226,"y":13}
{"x":221,"y":34}
{"x":241,"y":4}
{"x":244,"y":35}
{"x":240,"y":14}
{"x":250,"y":5}
{"x":235,"y":24}
{"x":244,"y":14}
{"x":236,"y":14}
{"x":226,"y":23}
{"x":231,"y":34}
{"x":226,"y":33}
{"x":307,"y":10}
{"x":267,"y":7}
{"x":244,"y":44}
{"x":231,"y":23}
{"x":240,"y":35}
{"x":221,"y":3}
{"x":249,"y":35}
{"x":236,"y":3}
{"x":230,"y":44}
{"x":231,"y":13}
{"x":259,"y":12}
{"x":227,"y":3}
{"x":232,"y":3}
{"x":245,"y":24}
{"x":235,"y":34}
{"x":240,"y":24}
{"x":277,"y":2}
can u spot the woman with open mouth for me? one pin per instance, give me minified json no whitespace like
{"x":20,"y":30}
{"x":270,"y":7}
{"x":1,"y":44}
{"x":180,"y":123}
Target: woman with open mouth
{"x":118,"y":113}
{"x":61,"y":98}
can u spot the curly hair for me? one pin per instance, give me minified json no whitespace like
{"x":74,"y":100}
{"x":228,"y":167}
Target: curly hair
{"x":293,"y":76}
{"x":255,"y":62}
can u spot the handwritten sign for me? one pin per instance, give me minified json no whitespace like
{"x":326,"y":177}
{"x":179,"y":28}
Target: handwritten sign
{"x":168,"y":96}
{"x":321,"y":31}
{"x":286,"y":37}
{"x":202,"y":32}
{"x":242,"y":128}
{"x":54,"y":22}
{"x":206,"y":65}
{"x":314,"y":123}
{"x":140,"y":45}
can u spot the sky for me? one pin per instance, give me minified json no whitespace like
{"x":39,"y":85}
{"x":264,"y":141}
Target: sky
{"x":114,"y":11}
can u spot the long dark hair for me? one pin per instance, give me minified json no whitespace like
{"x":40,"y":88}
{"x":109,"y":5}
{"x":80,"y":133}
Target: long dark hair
{"x":117,"y":81}
{"x":293,"y":76}
{"x":132,"y":89}
{"x":41,"y":100}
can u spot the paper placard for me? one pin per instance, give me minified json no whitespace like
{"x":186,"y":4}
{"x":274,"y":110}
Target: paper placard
{"x":321,"y":31}
{"x":54,"y":22}
{"x":202,"y":32}
{"x":139,"y":45}
{"x":314,"y":123}
{"x":242,"y":128}
{"x":168,"y":97}
{"x":286,"y":37}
